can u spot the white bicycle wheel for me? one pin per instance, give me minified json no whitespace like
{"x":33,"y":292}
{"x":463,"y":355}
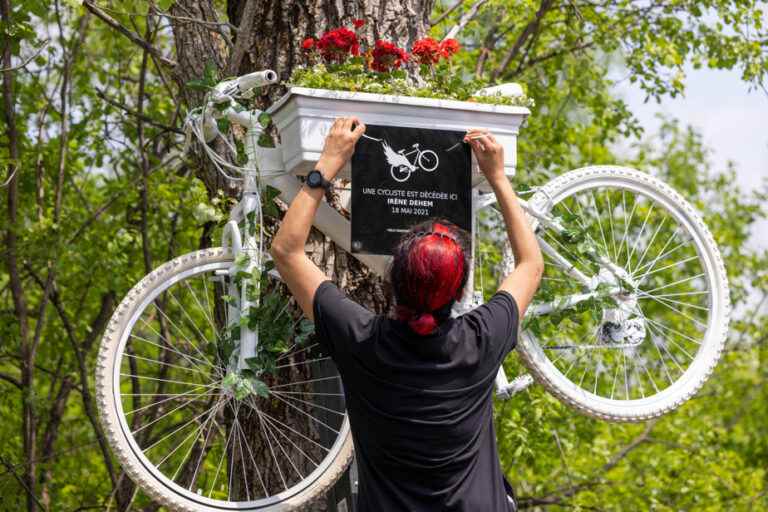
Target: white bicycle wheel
{"x":400,"y":173}
{"x":187,"y":440}
{"x":641,"y":351}
{"x":428,"y":160}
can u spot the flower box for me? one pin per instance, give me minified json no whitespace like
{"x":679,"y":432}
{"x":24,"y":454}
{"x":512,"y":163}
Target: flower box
{"x":303,"y":117}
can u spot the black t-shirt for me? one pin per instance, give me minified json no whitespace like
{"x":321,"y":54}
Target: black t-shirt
{"x":420,"y":407}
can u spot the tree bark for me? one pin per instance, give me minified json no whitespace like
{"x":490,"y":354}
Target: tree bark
{"x":269,"y":37}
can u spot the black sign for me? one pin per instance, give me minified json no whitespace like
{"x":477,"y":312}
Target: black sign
{"x":402,"y":176}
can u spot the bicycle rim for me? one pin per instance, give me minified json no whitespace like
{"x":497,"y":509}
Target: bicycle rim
{"x":189,"y":440}
{"x":642,"y":352}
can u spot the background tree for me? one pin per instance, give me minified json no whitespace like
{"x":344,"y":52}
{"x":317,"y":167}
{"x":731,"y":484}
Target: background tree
{"x":96,"y":192}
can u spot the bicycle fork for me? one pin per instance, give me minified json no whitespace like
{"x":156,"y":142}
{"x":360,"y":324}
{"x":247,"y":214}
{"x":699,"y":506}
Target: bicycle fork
{"x":247,"y":298}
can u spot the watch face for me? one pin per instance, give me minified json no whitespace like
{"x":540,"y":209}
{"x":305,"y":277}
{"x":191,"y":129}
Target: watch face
{"x":313,"y":178}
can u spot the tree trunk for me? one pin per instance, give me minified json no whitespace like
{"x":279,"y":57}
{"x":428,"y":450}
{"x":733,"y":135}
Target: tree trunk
{"x":269,"y":37}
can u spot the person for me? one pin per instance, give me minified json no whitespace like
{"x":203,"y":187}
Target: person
{"x":419,"y":383}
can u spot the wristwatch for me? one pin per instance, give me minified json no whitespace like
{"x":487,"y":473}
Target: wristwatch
{"x":315,"y":179}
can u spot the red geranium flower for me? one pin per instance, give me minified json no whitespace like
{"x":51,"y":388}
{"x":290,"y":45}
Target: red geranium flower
{"x":358,"y":23}
{"x":336,"y":44}
{"x":387,"y":56}
{"x":427,"y":51}
{"x":449,"y":47}
{"x":308,"y":43}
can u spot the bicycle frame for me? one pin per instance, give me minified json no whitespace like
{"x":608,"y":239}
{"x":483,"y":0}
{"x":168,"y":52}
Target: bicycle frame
{"x":334,"y":225}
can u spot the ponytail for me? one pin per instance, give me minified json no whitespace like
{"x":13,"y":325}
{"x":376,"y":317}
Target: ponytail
{"x":423,"y":324}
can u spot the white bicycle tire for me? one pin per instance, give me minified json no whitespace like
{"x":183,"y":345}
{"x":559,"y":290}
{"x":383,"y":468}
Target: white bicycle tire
{"x":394,"y":176}
{"x":165,"y":492}
{"x":421,"y":160}
{"x":685,"y":387}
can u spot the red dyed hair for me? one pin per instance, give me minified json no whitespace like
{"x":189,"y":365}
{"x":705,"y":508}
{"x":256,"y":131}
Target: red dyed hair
{"x":428,"y":273}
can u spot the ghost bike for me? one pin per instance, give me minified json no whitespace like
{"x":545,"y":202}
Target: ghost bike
{"x":215,"y":398}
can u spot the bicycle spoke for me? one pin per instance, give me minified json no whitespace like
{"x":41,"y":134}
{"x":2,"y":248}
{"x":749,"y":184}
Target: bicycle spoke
{"x":189,"y":318}
{"x":675,"y":283}
{"x":168,"y":346}
{"x":624,"y":239}
{"x":271,"y":451}
{"x":599,"y":223}
{"x":610,"y":223}
{"x":644,"y":295}
{"x":306,"y":414}
{"x":173,"y":397}
{"x":280,"y":446}
{"x":311,"y":404}
{"x":256,"y":466}
{"x":267,"y":415}
{"x":671,"y":340}
{"x":205,"y":311}
{"x":221,"y":460}
{"x":305,"y":382}
{"x":170,"y":365}
{"x":650,"y":243}
{"x":671,"y":265}
{"x":298,"y":448}
{"x":670,"y":329}
{"x":182,"y":336}
{"x":307,"y":361}
{"x":660,"y":257}
{"x":637,"y":240}
{"x":145,"y":450}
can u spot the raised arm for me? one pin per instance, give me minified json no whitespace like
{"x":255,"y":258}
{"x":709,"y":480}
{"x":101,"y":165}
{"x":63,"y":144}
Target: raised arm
{"x":524,"y":280}
{"x":298,"y":272}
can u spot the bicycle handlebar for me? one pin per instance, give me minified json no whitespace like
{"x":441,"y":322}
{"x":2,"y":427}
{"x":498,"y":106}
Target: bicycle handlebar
{"x":245,"y":83}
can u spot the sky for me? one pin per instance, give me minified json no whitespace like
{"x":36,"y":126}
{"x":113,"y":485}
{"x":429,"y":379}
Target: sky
{"x":732,"y":120}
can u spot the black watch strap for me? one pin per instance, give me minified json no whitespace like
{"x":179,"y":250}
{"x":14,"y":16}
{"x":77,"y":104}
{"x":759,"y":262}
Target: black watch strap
{"x":315,"y":179}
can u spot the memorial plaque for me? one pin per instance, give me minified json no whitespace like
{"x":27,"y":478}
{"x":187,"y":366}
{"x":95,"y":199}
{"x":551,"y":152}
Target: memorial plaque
{"x":402,"y":176}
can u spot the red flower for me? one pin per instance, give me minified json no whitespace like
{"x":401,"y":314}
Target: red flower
{"x":387,"y":56}
{"x":427,"y":51}
{"x":449,"y":47}
{"x":358,"y":23}
{"x":336,"y":44}
{"x":308,"y":43}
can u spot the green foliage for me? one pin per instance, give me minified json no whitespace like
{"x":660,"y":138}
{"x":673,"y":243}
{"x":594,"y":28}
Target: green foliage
{"x":352,"y":76}
{"x":270,"y":317}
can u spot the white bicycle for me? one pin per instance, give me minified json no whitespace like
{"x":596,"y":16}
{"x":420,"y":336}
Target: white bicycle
{"x":214,"y":397}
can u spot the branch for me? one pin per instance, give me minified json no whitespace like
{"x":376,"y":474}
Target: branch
{"x":447,"y":13}
{"x":465,"y":18}
{"x":243,"y":38}
{"x":21,"y":481}
{"x":134,"y":37}
{"x":28,"y":59}
{"x":128,"y":110}
{"x":98,"y":324}
{"x":531,"y":28}
{"x":13,"y":380}
{"x":143,"y":190}
{"x":558,"y":497}
{"x":561,"y":51}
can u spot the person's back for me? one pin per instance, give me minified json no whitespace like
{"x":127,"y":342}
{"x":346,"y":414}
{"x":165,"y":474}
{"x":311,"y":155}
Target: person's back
{"x":420,"y":407}
{"x":418,"y":384}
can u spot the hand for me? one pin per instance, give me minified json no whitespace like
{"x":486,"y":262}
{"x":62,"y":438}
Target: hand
{"x":339,"y":145}
{"x":488,"y":152}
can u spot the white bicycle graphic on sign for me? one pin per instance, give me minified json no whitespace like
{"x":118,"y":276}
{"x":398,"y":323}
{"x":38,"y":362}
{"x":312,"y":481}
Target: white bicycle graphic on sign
{"x":401,"y":167}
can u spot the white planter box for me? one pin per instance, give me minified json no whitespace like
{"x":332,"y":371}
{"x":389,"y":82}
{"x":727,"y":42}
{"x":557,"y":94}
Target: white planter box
{"x":303,"y":117}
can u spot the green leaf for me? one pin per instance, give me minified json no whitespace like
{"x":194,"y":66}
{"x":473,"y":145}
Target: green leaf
{"x":259,"y":387}
{"x":264,"y":119}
